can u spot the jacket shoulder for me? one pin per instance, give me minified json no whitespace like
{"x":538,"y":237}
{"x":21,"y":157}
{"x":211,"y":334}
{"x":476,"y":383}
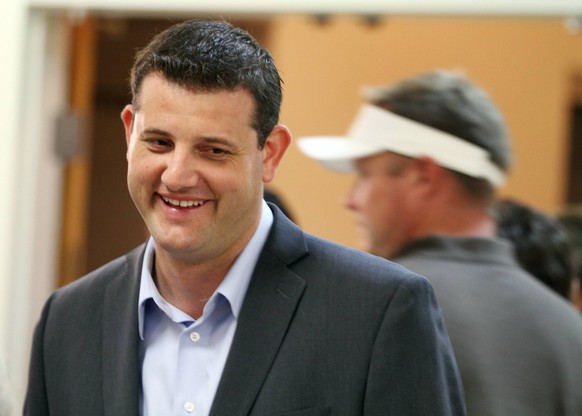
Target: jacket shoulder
{"x":96,"y":282}
{"x":347,"y":263}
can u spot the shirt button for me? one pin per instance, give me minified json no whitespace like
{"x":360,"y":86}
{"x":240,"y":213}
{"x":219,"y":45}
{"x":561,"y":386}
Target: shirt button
{"x":189,"y":407}
{"x":194,"y":336}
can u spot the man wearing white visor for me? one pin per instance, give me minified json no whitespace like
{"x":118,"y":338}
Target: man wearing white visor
{"x":429,"y":154}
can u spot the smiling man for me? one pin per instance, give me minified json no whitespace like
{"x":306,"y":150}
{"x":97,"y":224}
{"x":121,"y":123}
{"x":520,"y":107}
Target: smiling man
{"x":229,"y":308}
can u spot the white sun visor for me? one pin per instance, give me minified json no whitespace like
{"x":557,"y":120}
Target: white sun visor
{"x":375,"y":130}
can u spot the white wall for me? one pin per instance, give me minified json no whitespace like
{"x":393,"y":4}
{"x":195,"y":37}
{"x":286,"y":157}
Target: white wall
{"x":455,"y":7}
{"x":33,"y":80}
{"x":12,"y":30}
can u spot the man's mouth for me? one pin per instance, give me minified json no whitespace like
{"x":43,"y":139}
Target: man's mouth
{"x":182,"y":204}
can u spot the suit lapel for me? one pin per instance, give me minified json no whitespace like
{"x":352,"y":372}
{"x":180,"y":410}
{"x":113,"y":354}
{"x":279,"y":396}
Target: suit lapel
{"x":268,"y":309}
{"x":121,"y":372}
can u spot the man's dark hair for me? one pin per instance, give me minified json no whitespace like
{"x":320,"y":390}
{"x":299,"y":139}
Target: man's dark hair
{"x":571,"y":219}
{"x":212,"y":56}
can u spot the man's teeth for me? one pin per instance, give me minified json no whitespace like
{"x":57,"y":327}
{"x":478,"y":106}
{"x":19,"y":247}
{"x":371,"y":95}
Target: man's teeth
{"x":183,"y":204}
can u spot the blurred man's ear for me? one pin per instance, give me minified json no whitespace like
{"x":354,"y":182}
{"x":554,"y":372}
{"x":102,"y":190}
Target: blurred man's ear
{"x":429,"y":170}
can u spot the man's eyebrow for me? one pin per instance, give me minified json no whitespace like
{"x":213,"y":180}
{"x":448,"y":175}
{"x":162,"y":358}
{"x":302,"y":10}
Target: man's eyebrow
{"x":218,"y":140}
{"x":156,"y":131}
{"x":205,"y":139}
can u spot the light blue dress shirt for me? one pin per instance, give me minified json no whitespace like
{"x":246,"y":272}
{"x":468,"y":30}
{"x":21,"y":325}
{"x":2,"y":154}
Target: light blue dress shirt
{"x":182,"y":358}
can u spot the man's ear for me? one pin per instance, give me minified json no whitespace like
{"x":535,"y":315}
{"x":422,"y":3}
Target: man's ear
{"x":429,"y":171}
{"x":127,"y":115}
{"x":274,"y":149}
{"x":429,"y":175}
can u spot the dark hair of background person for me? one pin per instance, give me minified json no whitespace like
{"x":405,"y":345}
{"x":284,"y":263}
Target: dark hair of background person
{"x":571,"y":219}
{"x":542,"y":245}
{"x":274,"y":198}
{"x":201,"y":58}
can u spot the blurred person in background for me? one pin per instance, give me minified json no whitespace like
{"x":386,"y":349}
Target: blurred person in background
{"x":571,"y":220}
{"x":274,"y":197}
{"x":542,"y":245}
{"x":429,"y":154}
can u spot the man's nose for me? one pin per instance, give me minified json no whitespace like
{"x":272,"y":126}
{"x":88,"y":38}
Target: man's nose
{"x":349,"y":200}
{"x":181,"y":171}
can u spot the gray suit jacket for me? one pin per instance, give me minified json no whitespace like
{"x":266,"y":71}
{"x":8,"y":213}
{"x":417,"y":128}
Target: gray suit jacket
{"x":518,"y":345}
{"x":324,"y":330}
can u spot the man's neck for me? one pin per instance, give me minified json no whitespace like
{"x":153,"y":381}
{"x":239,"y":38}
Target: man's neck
{"x":188,"y":286}
{"x":458,"y":215}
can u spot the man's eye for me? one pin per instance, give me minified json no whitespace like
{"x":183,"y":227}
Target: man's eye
{"x":216,"y":151}
{"x":159,"y":142}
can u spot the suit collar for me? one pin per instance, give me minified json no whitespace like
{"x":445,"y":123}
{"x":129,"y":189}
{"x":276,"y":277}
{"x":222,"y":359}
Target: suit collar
{"x":286,"y":240}
{"x":269,"y":306}
{"x":121,"y":363}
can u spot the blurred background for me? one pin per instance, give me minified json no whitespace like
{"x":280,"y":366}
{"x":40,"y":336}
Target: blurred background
{"x":66,"y":209}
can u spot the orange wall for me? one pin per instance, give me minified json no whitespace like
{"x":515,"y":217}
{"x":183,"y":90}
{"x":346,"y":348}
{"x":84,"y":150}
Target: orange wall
{"x":527,"y":66}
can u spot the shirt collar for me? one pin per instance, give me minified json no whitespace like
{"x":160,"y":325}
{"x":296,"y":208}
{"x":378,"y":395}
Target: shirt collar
{"x":233,"y":287}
